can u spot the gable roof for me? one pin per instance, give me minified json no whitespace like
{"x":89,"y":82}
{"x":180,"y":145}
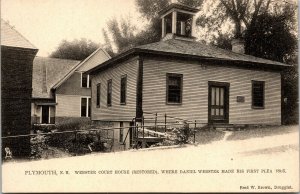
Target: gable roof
{"x":193,"y":50}
{"x":56,"y":69}
{"x":12,"y":38}
{"x":93,"y":60}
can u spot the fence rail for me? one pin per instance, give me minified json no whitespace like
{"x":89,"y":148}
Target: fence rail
{"x":155,"y":126}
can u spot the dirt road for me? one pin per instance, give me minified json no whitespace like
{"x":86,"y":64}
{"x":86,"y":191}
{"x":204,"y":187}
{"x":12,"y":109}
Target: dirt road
{"x":259,"y":164}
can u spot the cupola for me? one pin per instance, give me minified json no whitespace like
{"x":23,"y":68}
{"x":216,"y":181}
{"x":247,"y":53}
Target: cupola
{"x":178,"y":21}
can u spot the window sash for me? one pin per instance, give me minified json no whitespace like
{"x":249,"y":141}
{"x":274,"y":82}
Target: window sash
{"x":123,"y":89}
{"x":174,"y":88}
{"x":109,"y":92}
{"x":258,"y":94}
{"x":98,"y":97}
{"x":86,"y":82}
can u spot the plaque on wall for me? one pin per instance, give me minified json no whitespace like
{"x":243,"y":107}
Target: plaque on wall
{"x":240,"y":98}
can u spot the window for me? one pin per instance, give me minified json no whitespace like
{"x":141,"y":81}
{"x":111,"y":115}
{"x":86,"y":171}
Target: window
{"x":258,"y":94}
{"x":85,"y":80}
{"x":174,"y":88}
{"x":123,"y":89}
{"x":121,"y":132}
{"x":109,"y":92}
{"x":45,"y":114}
{"x":85,"y":107}
{"x":98,"y":95}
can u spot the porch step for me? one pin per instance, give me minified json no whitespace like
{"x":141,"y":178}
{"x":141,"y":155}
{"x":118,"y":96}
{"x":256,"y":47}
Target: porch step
{"x":228,"y":127}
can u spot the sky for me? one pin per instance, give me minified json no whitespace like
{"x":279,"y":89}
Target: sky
{"x":45,"y":23}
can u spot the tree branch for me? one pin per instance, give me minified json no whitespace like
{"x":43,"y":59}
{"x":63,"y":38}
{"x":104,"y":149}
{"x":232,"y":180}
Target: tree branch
{"x":256,"y":9}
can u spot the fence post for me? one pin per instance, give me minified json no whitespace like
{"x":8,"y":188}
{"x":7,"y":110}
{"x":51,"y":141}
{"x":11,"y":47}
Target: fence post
{"x":155,"y":122}
{"x":137,"y":130}
{"x":99,"y":133}
{"x":165,"y":123}
{"x":143,"y":123}
{"x":195,"y":131}
{"x":75,"y":139}
{"x":134,"y":129}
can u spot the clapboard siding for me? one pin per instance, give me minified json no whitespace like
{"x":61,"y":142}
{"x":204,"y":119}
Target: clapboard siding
{"x":72,"y":86}
{"x":116,"y":112}
{"x":68,"y":106}
{"x":97,"y":58}
{"x":195,"y":91}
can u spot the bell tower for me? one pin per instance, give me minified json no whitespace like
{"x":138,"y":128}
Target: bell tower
{"x":178,"y":21}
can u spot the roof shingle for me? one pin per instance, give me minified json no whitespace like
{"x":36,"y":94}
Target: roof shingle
{"x":56,"y":69}
{"x":203,"y":50}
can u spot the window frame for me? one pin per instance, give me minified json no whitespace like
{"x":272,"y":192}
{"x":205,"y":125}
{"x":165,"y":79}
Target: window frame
{"x":252,"y":94}
{"x":88,"y":83}
{"x":109,"y":82}
{"x":88,"y":104}
{"x":123,"y":77}
{"x":167,"y":88}
{"x":98,"y":95}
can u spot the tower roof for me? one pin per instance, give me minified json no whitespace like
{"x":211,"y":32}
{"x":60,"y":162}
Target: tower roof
{"x":178,"y":6}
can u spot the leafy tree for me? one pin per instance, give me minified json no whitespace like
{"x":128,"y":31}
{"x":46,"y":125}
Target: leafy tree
{"x":107,"y":46}
{"x":290,"y":87}
{"x":271,"y":36}
{"x":240,"y":13}
{"x":123,"y":34}
{"x":122,"y":31}
{"x":76,"y":49}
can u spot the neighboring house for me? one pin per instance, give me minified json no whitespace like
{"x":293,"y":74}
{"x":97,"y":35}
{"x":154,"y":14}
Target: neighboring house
{"x":17,"y":55}
{"x":61,"y":90}
{"x":46,"y":73}
{"x":186,"y":79}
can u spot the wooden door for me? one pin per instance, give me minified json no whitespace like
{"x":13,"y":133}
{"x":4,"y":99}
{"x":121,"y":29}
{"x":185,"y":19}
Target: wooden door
{"x":218,"y":103}
{"x":45,"y":114}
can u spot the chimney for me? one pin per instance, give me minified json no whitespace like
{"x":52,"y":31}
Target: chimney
{"x":238,"y":46}
{"x":44,"y":78}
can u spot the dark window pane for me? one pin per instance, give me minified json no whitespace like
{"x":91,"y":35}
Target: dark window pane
{"x":258,"y":94}
{"x":123,"y":90}
{"x":83,"y":107}
{"x":109,"y":92}
{"x":98,"y":95}
{"x":90,"y":82}
{"x":84,"y":80}
{"x":89,"y":107}
{"x":174,"y":88}
{"x":168,"y":25}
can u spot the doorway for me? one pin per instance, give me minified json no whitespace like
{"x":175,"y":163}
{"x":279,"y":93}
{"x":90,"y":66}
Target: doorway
{"x":45,"y":114}
{"x":218,"y":102}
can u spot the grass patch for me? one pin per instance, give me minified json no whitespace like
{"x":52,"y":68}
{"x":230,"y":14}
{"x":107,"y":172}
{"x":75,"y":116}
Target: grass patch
{"x":262,"y":132}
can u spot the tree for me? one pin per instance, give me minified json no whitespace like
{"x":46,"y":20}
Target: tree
{"x":123,"y":34}
{"x":121,"y":31}
{"x":76,"y":49}
{"x":271,"y":36}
